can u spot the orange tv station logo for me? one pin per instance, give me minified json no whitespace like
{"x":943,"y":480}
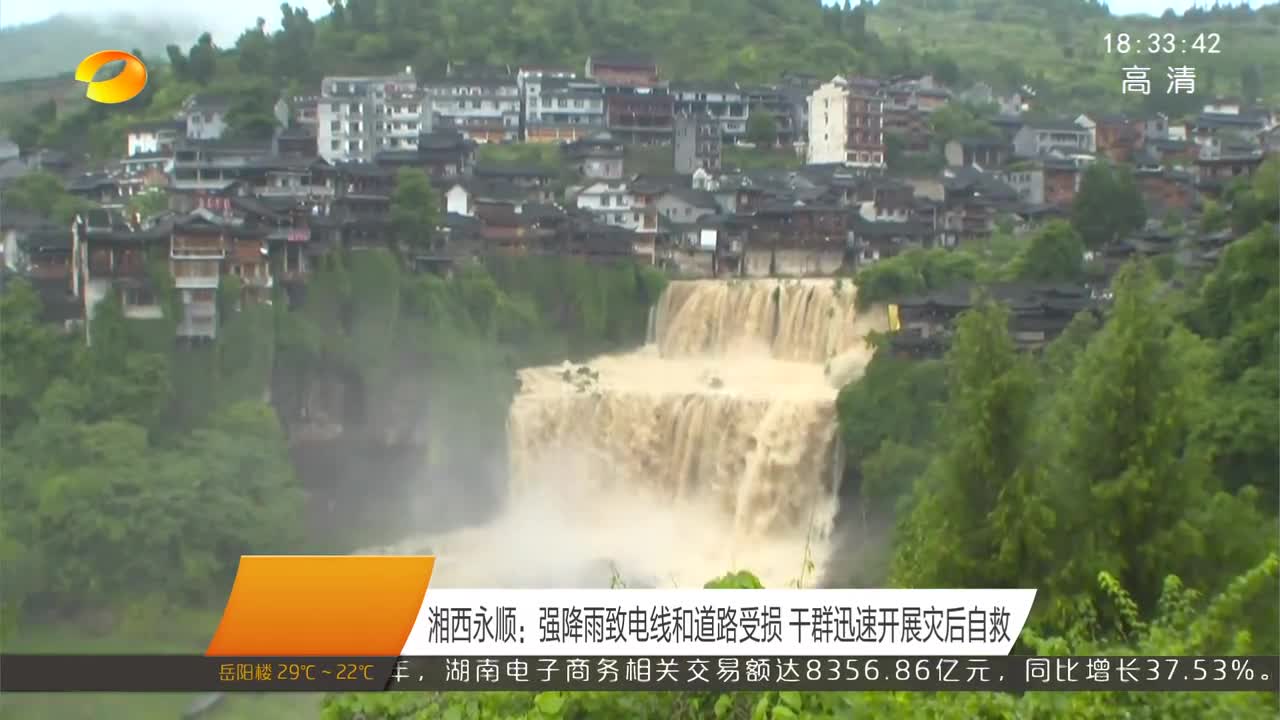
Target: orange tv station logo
{"x":121,"y":88}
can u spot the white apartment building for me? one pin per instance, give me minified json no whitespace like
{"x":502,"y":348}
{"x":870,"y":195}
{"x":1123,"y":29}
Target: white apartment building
{"x":359,"y":116}
{"x":482,"y":108}
{"x":846,"y":124}
{"x":612,"y":203}
{"x":828,"y":122}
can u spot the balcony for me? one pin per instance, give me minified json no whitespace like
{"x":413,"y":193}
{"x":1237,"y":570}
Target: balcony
{"x":197,"y":252}
{"x":196,"y":274}
{"x":123,"y":266}
{"x":295,"y":191}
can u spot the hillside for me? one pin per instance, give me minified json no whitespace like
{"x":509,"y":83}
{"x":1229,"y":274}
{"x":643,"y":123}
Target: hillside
{"x":1055,"y":46}
{"x":1058,"y":46}
{"x":56,"y":45}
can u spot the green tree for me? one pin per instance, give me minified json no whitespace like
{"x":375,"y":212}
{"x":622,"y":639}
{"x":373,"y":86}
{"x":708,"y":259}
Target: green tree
{"x":148,"y":203}
{"x":415,"y":210}
{"x":1108,"y":205}
{"x":957,"y":120}
{"x":202,"y":60}
{"x":1236,"y":310}
{"x":950,"y":538}
{"x":34,"y":355}
{"x":254,"y":48}
{"x":251,"y":114}
{"x":43,"y":193}
{"x":1053,"y":254}
{"x":1213,"y":217}
{"x":1126,"y":478}
{"x":178,"y":62}
{"x":915,"y":271}
{"x":762,"y":128}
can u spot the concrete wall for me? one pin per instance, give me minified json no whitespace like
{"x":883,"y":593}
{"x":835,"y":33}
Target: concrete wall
{"x":693,"y":263}
{"x":793,"y":263}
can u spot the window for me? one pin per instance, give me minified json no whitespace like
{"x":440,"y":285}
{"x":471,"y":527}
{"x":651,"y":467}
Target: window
{"x":335,"y":126}
{"x":335,"y":145}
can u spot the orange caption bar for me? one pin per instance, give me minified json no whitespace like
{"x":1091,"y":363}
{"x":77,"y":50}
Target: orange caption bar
{"x":322,"y":605}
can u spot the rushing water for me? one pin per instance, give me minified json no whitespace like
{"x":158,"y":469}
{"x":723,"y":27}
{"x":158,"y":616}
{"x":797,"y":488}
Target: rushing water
{"x":712,"y":448}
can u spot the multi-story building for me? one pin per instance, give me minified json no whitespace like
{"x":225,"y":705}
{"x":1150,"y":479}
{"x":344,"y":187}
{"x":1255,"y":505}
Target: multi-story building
{"x":442,"y":154}
{"x":638,"y":106}
{"x":697,"y":140}
{"x":599,"y":156}
{"x":787,"y":102}
{"x":612,"y":203}
{"x":215,"y":167}
{"x":563,"y":110}
{"x":529,"y":79}
{"x":197,"y":249}
{"x":1065,"y":137}
{"x":110,"y":257}
{"x":727,"y":106}
{"x":358,"y":116}
{"x":639,"y":115}
{"x":846,"y":124}
{"x":302,"y":111}
{"x":908,"y":107}
{"x":482,"y":104}
{"x":989,"y":152}
{"x":205,"y":116}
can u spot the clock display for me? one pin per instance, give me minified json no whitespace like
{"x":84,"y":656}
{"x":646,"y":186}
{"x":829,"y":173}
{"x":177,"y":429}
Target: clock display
{"x":1161,"y":43}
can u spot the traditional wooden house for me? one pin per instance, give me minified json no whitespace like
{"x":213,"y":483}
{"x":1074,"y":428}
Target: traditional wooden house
{"x":796,"y":238}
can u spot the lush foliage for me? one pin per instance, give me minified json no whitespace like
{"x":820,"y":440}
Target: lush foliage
{"x":1052,"y":253}
{"x":100,"y":506}
{"x":415,"y":212}
{"x":1108,"y":205}
{"x":137,"y":471}
{"x":43,"y":195}
{"x":1177,"y":629}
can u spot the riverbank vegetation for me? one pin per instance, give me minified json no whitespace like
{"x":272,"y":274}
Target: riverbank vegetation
{"x":137,"y":471}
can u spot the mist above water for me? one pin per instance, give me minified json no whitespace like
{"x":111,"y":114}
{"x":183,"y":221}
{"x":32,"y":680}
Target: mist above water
{"x":714,"y":448}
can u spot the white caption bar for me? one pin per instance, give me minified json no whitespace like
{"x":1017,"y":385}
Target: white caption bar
{"x":719,"y":622}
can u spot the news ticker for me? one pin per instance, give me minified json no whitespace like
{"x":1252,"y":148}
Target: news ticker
{"x":724,"y":673}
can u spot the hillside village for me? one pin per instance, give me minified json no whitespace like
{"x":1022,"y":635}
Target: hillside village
{"x":266,"y":213}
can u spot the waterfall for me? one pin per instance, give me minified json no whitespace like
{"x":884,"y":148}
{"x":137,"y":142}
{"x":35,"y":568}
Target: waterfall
{"x":713,"y":448}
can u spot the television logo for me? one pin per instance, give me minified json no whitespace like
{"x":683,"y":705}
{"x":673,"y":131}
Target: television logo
{"x":121,"y":88}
